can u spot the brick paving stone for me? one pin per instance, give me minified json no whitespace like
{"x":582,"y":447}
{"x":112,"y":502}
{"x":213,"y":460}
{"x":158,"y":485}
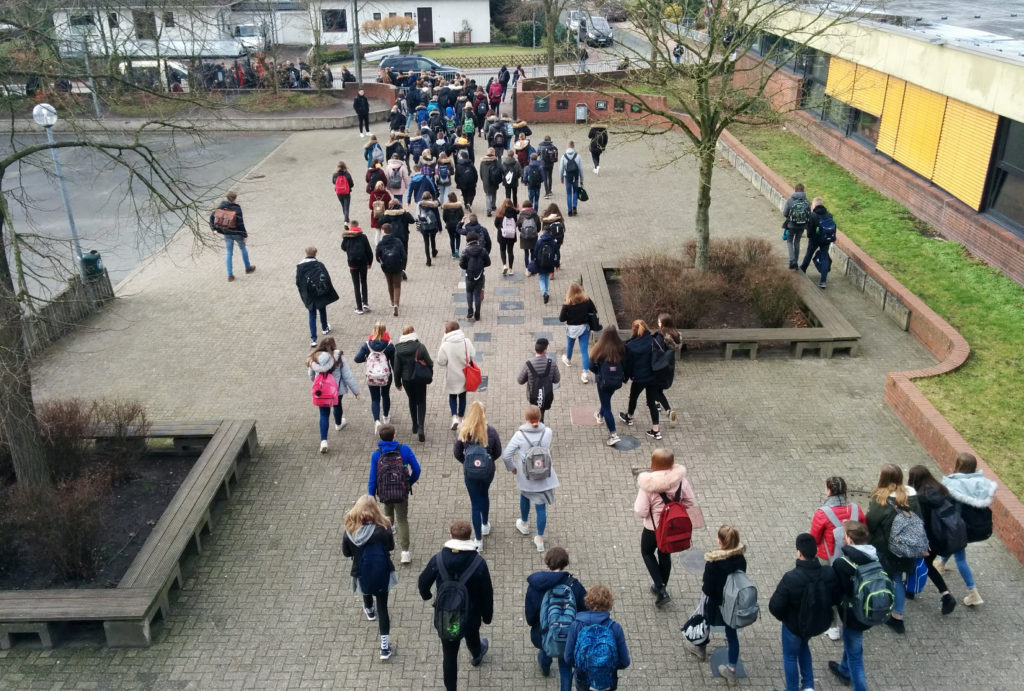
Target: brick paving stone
{"x":268,"y":605}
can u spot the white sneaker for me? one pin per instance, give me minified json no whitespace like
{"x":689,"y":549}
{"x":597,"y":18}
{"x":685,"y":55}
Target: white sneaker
{"x":539,"y":541}
{"x":455,"y":422}
{"x":376,"y":427}
{"x":596,"y":170}
{"x":361,"y":135}
{"x":485,"y":529}
{"x":359,"y":311}
{"x":386,"y":419}
{"x":583,"y":377}
{"x":834,"y":633}
{"x":341,"y":425}
{"x":479,"y":545}
{"x":566,"y":361}
{"x":522,"y":527}
{"x":613,"y":439}
{"x":598,"y":416}
{"x":323,"y":446}
{"x":406,"y":557}
{"x":366,"y":308}
{"x":327,"y":330}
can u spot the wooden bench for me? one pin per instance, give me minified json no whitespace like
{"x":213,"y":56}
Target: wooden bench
{"x":187,"y":437}
{"x":128,"y":611}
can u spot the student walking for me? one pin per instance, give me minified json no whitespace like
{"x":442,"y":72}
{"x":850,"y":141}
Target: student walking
{"x":796,"y":217}
{"x":553,"y":598}
{"x":356,"y":247}
{"x":598,"y":137}
{"x":606,"y":358}
{"x":473,"y":261}
{"x":429,"y":224}
{"x":393,"y":472}
{"x":827,"y":523}
{"x":546,"y":259}
{"x":638,"y":368}
{"x":571,"y":174}
{"x":329,"y":361}
{"x":665,"y":481}
{"x":511,"y":173}
{"x":887,"y":499}
{"x":803,"y":602}
{"x":821,"y":233}
{"x":368,"y":542}
{"x":718,"y":564}
{"x":227,"y":220}
{"x":596,"y":645}
{"x":547,"y":152}
{"x":505,"y":223}
{"x":379,"y":355}
{"x":576,"y":315}
{"x":361,"y":105}
{"x":540,"y":374}
{"x":973,"y":494}
{"x":459,"y":562}
{"x":478,"y":445}
{"x":528,"y":457}
{"x":490,"y":178}
{"x":397,"y":176}
{"x":379,"y":202}
{"x":533,"y":176}
{"x":373,"y":152}
{"x":936,"y":506}
{"x":343,"y":184}
{"x":414,"y":370}
{"x":667,"y":346}
{"x":466,"y":178}
{"x":451,"y":214}
{"x":316,"y":292}
{"x":454,"y":354}
{"x":528,"y":222}
{"x":391,"y":257}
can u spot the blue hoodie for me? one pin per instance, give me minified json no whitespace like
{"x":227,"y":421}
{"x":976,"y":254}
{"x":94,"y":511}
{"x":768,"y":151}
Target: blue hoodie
{"x":637,"y":365}
{"x":537,"y":585}
{"x":408,"y":458}
{"x":418,"y":184}
{"x":586,"y":619}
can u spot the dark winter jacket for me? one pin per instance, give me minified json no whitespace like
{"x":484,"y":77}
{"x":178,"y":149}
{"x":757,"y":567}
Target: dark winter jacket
{"x":401,"y":221}
{"x":663,"y":341}
{"x":539,"y":168}
{"x":396,"y":147}
{"x":879,"y":521}
{"x":418,"y":184}
{"x":545,"y":239}
{"x":431,"y":208}
{"x":457,"y":556}
{"x":537,"y":585}
{"x":598,"y":137}
{"x":390,"y":245}
{"x":931,"y":500}
{"x":361,"y":105}
{"x":588,"y":619}
{"x":239,"y":229}
{"x":493,"y":446}
{"x":509,"y":164}
{"x":473,"y":260}
{"x":485,"y":237}
{"x":578,"y":313}
{"x":408,"y":459}
{"x":485,"y":164}
{"x":789,"y":207}
{"x":785,"y":601}
{"x":818,"y":214}
{"x":451,"y":213}
{"x":373,"y":176}
{"x":858,"y":554}
{"x":465,"y":175}
{"x":307,"y":268}
{"x":718,"y":564}
{"x":380,"y":346}
{"x":541,"y":148}
{"x":356,"y":246}
{"x":519,"y":128}
{"x":396,"y":121}
{"x":637,"y":365}
{"x":405,"y":352}
{"x":354,"y":552}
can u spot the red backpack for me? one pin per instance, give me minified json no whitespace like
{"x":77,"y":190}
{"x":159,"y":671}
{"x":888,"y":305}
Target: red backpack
{"x":325,"y":389}
{"x":674,"y":528}
{"x":341,"y":185}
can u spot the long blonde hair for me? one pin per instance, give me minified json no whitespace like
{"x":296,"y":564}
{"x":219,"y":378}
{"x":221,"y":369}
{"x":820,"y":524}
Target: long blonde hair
{"x":890,"y":484}
{"x":474,"y":425}
{"x":366,"y":510}
{"x":575,"y":294}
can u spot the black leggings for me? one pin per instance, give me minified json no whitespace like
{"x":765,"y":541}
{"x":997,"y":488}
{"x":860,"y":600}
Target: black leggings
{"x":513,"y":192}
{"x":429,"y":244}
{"x":651,"y":391}
{"x":454,"y":240}
{"x":508,"y":250}
{"x":658,"y":563}
{"x":417,"y":394}
{"x":934,"y":576}
{"x":450,"y":651}
{"x":383,"y":618}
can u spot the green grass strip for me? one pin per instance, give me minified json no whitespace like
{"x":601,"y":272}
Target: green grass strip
{"x":984,"y":399}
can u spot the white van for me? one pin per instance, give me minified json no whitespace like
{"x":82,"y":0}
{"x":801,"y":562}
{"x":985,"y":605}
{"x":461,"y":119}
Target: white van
{"x":155,"y":75}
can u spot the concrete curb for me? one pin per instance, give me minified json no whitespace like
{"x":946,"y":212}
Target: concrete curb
{"x":912,"y":407}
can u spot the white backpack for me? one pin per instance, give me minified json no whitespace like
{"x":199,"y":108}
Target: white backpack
{"x":508,"y":228}
{"x":378,"y":370}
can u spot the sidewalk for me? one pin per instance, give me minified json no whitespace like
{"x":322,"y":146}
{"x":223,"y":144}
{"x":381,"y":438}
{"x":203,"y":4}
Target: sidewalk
{"x":268,"y":605}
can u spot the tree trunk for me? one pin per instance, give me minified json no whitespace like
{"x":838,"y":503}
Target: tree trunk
{"x":17,"y":412}
{"x":550,"y":22}
{"x":707,"y":168}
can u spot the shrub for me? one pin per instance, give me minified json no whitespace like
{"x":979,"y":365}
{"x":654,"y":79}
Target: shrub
{"x":696,"y":290}
{"x":64,"y":426}
{"x":70,"y":537}
{"x":771,"y":290}
{"x":127,"y":425}
{"x":525,"y":33}
{"x":650,"y":285}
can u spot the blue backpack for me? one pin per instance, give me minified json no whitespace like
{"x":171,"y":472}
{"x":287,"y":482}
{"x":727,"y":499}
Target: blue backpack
{"x":557,"y":613}
{"x":826,"y":230}
{"x":597,"y":655}
{"x":374,"y":568}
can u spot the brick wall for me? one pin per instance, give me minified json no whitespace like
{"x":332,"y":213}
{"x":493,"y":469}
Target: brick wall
{"x":527,"y":89}
{"x":783,"y":87}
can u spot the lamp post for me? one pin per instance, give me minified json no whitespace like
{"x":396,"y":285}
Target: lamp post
{"x":45,"y":116}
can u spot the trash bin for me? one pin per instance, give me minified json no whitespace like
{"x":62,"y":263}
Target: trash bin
{"x":581,"y":112}
{"x":92,"y":265}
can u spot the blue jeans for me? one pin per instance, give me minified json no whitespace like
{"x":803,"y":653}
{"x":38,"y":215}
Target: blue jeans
{"x":899,"y":593}
{"x":479,"y":502}
{"x":796,"y":661}
{"x":564,"y":670}
{"x":963,"y":567}
{"x":312,"y":321}
{"x":605,"y":396}
{"x":533,"y":194}
{"x":457,"y":403}
{"x":545,"y":283}
{"x":584,"y":348}
{"x":733,"y":642}
{"x":325,"y":418}
{"x":571,"y":191}
{"x":229,"y":242}
{"x":346,"y":201}
{"x":822,"y":261}
{"x":542,"y":513}
{"x":378,"y":394}
{"x":442,"y":192}
{"x":852,"y":664}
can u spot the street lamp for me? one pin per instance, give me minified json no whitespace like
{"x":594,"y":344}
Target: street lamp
{"x":45,"y":116}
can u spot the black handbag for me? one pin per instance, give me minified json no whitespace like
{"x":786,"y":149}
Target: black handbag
{"x":422,"y":373}
{"x":661,"y":358}
{"x":581,"y":194}
{"x":594,"y":321}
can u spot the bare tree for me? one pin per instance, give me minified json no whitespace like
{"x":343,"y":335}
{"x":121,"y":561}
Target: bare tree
{"x":716,"y":69}
{"x":389,"y":29}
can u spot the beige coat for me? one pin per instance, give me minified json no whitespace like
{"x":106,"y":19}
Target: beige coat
{"x":452,"y":356}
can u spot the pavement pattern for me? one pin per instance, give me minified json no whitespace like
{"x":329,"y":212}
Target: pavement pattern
{"x":268,"y":605}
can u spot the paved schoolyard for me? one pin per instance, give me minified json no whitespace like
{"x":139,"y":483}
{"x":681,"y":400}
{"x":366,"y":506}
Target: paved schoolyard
{"x":269,"y":606}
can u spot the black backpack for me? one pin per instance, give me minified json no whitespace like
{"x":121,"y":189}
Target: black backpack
{"x":541,"y":392}
{"x":978,"y":520}
{"x":482,"y":108}
{"x":494,"y":174}
{"x":609,"y":375}
{"x":571,"y":169}
{"x":498,"y":140}
{"x":477,"y":463}
{"x":815,"y":615}
{"x":556,"y":229}
{"x":391,"y":259}
{"x":392,"y":478}
{"x":428,"y":220}
{"x":551,"y":154}
{"x":534,"y":178}
{"x":545,"y":258}
{"x":318,"y":283}
{"x":947,"y":532}
{"x":374,"y":568}
{"x":451,"y":604}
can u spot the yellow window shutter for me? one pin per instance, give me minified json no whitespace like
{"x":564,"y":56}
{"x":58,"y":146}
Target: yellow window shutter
{"x":840,"y":79}
{"x":891,"y":116}
{"x":869,"y":90}
{"x":965,"y":147}
{"x":917,"y":140}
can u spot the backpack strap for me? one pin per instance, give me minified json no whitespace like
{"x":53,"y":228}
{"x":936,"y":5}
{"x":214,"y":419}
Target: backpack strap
{"x":831,"y":515}
{"x":441,"y":570}
{"x":464,"y":578}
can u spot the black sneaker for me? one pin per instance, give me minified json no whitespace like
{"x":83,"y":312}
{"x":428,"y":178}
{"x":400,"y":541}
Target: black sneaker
{"x":626,"y":418}
{"x":484,"y":645}
{"x":896,"y":625}
{"x":422,"y":437}
{"x":844,"y":679}
{"x":654,"y":434}
{"x":546,"y":298}
{"x":948,"y":603}
{"x":662,"y":598}
{"x":386,"y":653}
{"x":371,"y":613}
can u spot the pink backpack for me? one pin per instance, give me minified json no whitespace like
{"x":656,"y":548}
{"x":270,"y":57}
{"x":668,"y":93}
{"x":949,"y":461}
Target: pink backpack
{"x":325,"y":389}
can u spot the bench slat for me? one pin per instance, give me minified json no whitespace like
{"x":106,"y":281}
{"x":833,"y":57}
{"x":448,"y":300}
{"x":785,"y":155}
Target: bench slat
{"x":80,"y":605}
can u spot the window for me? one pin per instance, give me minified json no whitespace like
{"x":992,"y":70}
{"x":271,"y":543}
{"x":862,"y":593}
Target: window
{"x":168,"y":19}
{"x":815,"y":78}
{"x":376,"y":16}
{"x":865,"y":126}
{"x":1006,"y":193}
{"x":145,"y":25}
{"x":334,"y":20}
{"x":112,"y":21}
{"x":392,"y":14}
{"x":82,"y":20}
{"x":408,"y":15}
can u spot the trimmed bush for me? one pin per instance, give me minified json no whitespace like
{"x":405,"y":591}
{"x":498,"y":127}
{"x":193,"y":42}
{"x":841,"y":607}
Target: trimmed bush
{"x":771,"y":291}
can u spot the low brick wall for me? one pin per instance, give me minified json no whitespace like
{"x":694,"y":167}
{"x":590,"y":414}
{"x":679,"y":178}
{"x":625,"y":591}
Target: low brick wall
{"x":929,"y":427}
{"x":528,"y":89}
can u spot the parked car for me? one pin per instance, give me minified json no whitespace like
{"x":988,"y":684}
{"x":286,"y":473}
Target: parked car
{"x":599,"y":32}
{"x":614,"y":12}
{"x":574,"y":21}
{"x":416,"y":63}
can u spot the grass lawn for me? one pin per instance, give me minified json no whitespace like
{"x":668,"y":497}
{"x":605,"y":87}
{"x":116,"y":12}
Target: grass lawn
{"x":984,"y":399}
{"x":478,"y":51}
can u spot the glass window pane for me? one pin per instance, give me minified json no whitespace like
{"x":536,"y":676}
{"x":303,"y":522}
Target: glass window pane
{"x":1014,"y":153}
{"x":1008,"y":196}
{"x":867,"y":126}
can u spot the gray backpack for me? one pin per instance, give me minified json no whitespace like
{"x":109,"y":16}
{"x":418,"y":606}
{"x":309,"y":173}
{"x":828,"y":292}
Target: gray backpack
{"x":739,"y":601}
{"x":838,"y":532}
{"x":537,"y":459}
{"x":907,"y":537}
